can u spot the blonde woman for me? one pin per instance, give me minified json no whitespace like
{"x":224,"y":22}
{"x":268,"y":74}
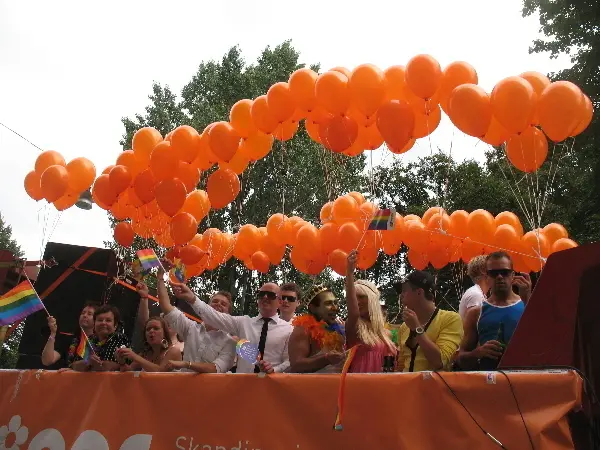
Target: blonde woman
{"x":365,"y":325}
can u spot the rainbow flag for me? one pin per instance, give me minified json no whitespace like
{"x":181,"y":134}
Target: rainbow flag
{"x":177,"y":272}
{"x":84,"y":349}
{"x":18,"y":303}
{"x":384,"y":219}
{"x":148,"y":259}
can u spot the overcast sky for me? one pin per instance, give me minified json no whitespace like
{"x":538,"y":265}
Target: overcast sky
{"x":69,"y":70}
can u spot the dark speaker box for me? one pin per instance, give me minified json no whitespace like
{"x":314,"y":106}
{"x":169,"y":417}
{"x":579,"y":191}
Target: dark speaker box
{"x":66,"y":300}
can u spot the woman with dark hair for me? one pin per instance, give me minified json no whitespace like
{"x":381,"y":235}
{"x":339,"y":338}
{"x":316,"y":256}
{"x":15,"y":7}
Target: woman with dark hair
{"x":158,"y":349}
{"x":105,"y":341}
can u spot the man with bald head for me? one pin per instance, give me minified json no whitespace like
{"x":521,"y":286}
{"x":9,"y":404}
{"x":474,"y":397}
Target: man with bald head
{"x":267,"y":330}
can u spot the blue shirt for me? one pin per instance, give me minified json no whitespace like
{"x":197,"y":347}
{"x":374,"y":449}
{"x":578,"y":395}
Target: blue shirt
{"x":492,"y":316}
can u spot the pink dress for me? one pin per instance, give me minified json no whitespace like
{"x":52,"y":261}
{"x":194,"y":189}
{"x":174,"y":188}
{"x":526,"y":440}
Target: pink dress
{"x":369,"y":359}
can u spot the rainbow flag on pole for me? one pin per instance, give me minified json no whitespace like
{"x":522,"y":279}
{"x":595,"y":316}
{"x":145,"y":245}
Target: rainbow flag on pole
{"x":84,"y":349}
{"x":148,"y":259}
{"x":384,"y":219}
{"x":18,"y":303}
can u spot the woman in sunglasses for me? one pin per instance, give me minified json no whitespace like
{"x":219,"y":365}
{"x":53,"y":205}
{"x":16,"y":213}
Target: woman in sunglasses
{"x":489,"y":327}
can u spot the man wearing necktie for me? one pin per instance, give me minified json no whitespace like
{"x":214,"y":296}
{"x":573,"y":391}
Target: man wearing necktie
{"x":268,"y":330}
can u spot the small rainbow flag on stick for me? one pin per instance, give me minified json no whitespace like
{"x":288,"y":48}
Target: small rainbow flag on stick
{"x":18,"y":303}
{"x":384,"y":219}
{"x":84,"y":349}
{"x":177,"y":272}
{"x":148,"y":259}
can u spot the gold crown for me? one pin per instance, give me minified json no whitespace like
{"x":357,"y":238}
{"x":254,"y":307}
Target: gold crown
{"x":314,"y":291}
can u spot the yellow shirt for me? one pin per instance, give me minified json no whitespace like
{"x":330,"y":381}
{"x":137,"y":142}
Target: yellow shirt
{"x":445,"y":331}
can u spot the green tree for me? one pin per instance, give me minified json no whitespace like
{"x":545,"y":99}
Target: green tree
{"x":6,"y":240}
{"x":296,"y":178}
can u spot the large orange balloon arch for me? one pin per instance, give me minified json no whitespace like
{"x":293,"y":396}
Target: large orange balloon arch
{"x":153,"y":187}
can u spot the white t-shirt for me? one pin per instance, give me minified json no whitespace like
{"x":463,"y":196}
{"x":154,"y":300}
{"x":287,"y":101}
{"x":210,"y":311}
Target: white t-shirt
{"x":472,"y":297}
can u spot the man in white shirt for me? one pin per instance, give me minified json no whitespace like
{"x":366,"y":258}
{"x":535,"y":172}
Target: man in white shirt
{"x":475,"y":295}
{"x":268,"y":330}
{"x":290,"y":299}
{"x":206,"y":349}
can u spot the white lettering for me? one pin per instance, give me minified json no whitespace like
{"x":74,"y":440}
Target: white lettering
{"x":239,"y":447}
{"x":177,"y":442}
{"x":90,"y":440}
{"x":137,"y":442}
{"x":192,"y":443}
{"x":218,"y":447}
{"x":206,"y":447}
{"x":48,"y":439}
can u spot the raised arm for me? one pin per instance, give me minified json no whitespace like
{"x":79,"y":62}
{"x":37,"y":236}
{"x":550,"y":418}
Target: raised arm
{"x":49,"y":355}
{"x":143,"y":310}
{"x":351,"y":301}
{"x":163,"y":294}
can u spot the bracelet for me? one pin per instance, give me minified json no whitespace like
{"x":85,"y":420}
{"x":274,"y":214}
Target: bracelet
{"x":51,"y":338}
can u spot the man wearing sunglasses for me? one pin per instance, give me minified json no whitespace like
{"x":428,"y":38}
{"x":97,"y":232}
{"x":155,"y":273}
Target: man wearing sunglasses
{"x":489,"y":327}
{"x":290,"y":299}
{"x":267,"y":330}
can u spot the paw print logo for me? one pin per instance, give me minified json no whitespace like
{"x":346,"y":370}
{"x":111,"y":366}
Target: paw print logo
{"x":13,"y":435}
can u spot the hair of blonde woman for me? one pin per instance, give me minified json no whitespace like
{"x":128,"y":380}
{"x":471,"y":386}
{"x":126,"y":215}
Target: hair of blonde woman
{"x":477,"y":269}
{"x":372,"y":332}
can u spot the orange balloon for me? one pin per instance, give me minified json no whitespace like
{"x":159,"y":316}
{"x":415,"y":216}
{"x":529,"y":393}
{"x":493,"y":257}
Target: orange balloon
{"x":183,"y":143}
{"x":223,"y":141}
{"x":308,"y":239}
{"x":190,"y":254}
{"x":505,"y":237}
{"x":470,"y":109}
{"x":332,"y":93}
{"x":538,"y":82}
{"x":458,"y":223}
{"x":120,"y":209}
{"x":260,"y":262}
{"x":345,"y":209}
{"x":439,"y":224}
{"x":554,"y":232}
{"x":128,"y":159}
{"x":395,"y":83}
{"x":513,"y":103}
{"x":427,"y":215}
{"x":223,"y":186}
{"x":275,"y":228}
{"x":329,"y":237}
{"x":107,"y":170}
{"x":366,"y":258}
{"x":509,"y":218}
{"x":170,"y":196}
{"x":66,"y":201}
{"x":586,"y":115}
{"x":527,"y":151}
{"x":563,"y":244}
{"x":103,"y":190}
{"x":367,"y":210}
{"x":46,"y":159}
{"x":342,"y":70}
{"x":238,"y":163}
{"x":417,"y":259}
{"x":470,"y":249}
{"x":369,"y":138}
{"x":338,"y":133}
{"x":248,"y":241}
{"x":183,"y":228}
{"x":416,"y":235}
{"x":163,"y":161}
{"x":535,"y":244}
{"x":423,"y":75}
{"x":496,"y":134}
{"x":286,"y":130}
{"x":360,"y":199}
{"x":338,"y":261}
{"x":256,"y":146}
{"x":396,"y":122}
{"x":205,"y":159}
{"x":360,"y":118}
{"x":124,"y":234}
{"x":262,"y":116}
{"x":82,"y":174}
{"x":240,"y":118}
{"x":425,"y":124}
{"x":349,"y":236}
{"x":32,"y":186}
{"x":280,"y":101}
{"x":455,"y":74}
{"x":481,"y":226}
{"x":302,"y":87}
{"x":189,"y":175}
{"x":144,"y":185}
{"x":119,"y":178}
{"x":197,"y":204}
{"x":367,"y":88}
{"x":144,"y":141}
{"x":54,"y":182}
{"x":326,"y":213}
{"x":392,"y":239}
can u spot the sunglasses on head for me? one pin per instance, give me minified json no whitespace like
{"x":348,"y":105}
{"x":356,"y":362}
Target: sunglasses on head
{"x":502,"y":272}
{"x":289,"y":298}
{"x":270,"y":295}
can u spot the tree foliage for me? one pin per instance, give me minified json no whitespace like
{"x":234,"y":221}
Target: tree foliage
{"x":6,"y":240}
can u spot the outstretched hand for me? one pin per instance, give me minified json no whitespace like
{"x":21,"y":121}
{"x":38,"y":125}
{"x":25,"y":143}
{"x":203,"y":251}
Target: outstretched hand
{"x":352,"y":258}
{"x":183,"y":292}
{"x":142,"y":289}
{"x":523,"y":283}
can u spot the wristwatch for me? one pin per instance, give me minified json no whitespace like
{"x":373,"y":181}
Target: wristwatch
{"x":419,"y":331}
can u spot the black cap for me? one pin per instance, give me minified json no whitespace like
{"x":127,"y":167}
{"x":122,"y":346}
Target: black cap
{"x":418,"y":278}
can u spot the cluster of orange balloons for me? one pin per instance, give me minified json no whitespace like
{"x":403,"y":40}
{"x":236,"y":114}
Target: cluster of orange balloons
{"x":522,"y":111}
{"x":58,"y":182}
{"x":436,"y":238}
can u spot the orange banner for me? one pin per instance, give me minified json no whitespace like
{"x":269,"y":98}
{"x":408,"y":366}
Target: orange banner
{"x":147,"y":411}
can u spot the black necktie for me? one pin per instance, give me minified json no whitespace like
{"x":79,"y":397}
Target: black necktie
{"x":262,"y":341}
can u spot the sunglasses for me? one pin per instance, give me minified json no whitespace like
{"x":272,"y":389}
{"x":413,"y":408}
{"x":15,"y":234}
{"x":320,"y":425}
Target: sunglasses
{"x":502,"y":272}
{"x":289,"y":298}
{"x":270,"y":295}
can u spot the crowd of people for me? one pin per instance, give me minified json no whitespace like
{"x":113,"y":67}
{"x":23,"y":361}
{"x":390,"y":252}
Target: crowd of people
{"x":430,"y":338}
